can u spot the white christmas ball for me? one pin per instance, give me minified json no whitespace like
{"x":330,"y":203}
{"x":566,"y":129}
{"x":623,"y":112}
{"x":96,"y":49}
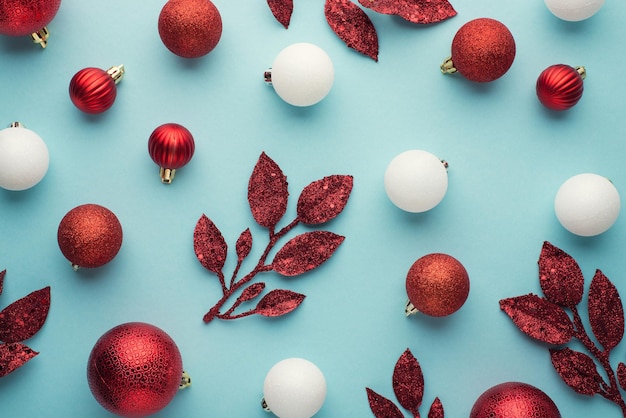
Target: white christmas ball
{"x":574,"y":10}
{"x":416,"y":181}
{"x":24,"y":158}
{"x":302,"y":74}
{"x":294,"y":388}
{"x":587,"y":204}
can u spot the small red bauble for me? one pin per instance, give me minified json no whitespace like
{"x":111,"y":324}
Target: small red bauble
{"x":190,"y":28}
{"x":171,"y":146}
{"x":93,"y":90}
{"x":89,"y":236}
{"x":560,"y":86}
{"x":135,"y":369}
{"x":482,"y":50}
{"x":514,"y":400}
{"x":437,"y":285}
{"x":27,"y":17}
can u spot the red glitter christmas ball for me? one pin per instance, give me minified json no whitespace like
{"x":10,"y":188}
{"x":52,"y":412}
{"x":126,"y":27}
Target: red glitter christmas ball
{"x":93,"y":90}
{"x":514,"y":400}
{"x":560,"y":86}
{"x":134,"y":370}
{"x":23,"y":17}
{"x":89,"y":236}
{"x":171,"y":146}
{"x":483,"y":50}
{"x":437,"y":284}
{"x":190,"y":28}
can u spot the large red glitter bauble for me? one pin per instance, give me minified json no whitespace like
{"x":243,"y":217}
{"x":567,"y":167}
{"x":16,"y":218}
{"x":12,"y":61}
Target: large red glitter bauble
{"x":560,"y":86}
{"x":89,"y":236}
{"x":437,"y":284}
{"x":514,"y":400}
{"x":23,"y":17}
{"x":190,"y":28}
{"x":92,"y":90}
{"x":483,"y":50}
{"x":134,"y":369}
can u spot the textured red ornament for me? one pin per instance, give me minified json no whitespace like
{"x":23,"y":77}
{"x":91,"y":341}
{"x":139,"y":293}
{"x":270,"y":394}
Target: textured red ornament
{"x":560,"y":276}
{"x":279,"y":302}
{"x":190,"y":28}
{"x":436,"y":409}
{"x":282,"y":10}
{"x":382,"y":407}
{"x":322,"y":200}
{"x":170,"y":146}
{"x":606,"y":312}
{"x":560,"y":86}
{"x":577,"y":370}
{"x":408,"y":382}
{"x":24,"y":318}
{"x":13,"y":356}
{"x":93,"y":90}
{"x":3,"y":273}
{"x":483,"y":50}
{"x":514,"y":400}
{"x":23,"y":17}
{"x":267,"y":192}
{"x":134,"y":370}
{"x":89,"y":236}
{"x":437,"y":284}
{"x":306,"y":252}
{"x":209,"y":245}
{"x":352,"y":26}
{"x":415,"y":11}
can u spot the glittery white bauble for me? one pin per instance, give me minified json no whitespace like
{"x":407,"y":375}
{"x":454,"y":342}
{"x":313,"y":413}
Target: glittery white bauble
{"x":587,"y":204}
{"x":574,"y":10}
{"x":294,"y":388}
{"x":416,"y":181}
{"x":24,"y":158}
{"x":302,"y":74}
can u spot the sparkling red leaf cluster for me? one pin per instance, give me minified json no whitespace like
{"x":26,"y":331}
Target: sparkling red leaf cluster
{"x":546,"y":319}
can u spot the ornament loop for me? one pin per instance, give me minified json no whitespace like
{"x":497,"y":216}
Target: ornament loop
{"x":185,"y":381}
{"x":117,"y":73}
{"x":41,"y":37}
{"x":264,"y":405}
{"x":447,"y":67}
{"x":267,"y":75}
{"x":410,"y":309}
{"x":582,"y":71}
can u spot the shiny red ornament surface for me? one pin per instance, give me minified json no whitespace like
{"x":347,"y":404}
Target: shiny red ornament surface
{"x":437,"y":284}
{"x":483,"y":50}
{"x":190,"y":28}
{"x":89,"y":236}
{"x":559,"y":87}
{"x":23,"y":17}
{"x":171,"y":146}
{"x":134,"y":370}
{"x":514,"y":400}
{"x":93,"y":90}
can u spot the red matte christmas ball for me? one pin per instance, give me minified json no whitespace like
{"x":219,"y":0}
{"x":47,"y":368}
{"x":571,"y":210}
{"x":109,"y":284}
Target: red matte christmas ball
{"x":437,"y":285}
{"x":134,"y":370}
{"x":514,"y":400}
{"x":560,"y":86}
{"x":190,"y":28}
{"x":23,"y":17}
{"x":93,"y":90}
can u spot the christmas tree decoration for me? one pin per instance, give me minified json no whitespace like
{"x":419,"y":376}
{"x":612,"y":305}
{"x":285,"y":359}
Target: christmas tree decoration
{"x":319,"y":202}
{"x":294,"y":388}
{"x":574,"y":10}
{"x":352,"y":26}
{"x":28,"y":17}
{"x":18,"y":322}
{"x":437,"y":285}
{"x":302,"y":74}
{"x":546,"y":319}
{"x":415,"y":11}
{"x":89,"y":236}
{"x":408,"y":386}
{"x":171,"y":147}
{"x":483,"y":50}
{"x":24,"y":158}
{"x":587,"y":204}
{"x":560,"y":86}
{"x":93,"y":90}
{"x":416,"y":181}
{"x":135,"y":369}
{"x":514,"y":400}
{"x":190,"y":28}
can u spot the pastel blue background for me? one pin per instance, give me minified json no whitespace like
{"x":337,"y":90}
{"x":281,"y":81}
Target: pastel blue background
{"x":507,"y":154}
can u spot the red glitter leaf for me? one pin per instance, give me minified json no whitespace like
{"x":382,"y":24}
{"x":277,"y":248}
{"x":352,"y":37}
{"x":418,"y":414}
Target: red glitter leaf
{"x":251,"y":292}
{"x":267,"y":192}
{"x":209,"y":245}
{"x":2,"y":274}
{"x":382,"y":407}
{"x":415,"y":11}
{"x":244,"y":244}
{"x":408,"y":382}
{"x":279,"y":302}
{"x":606,"y":313}
{"x":14,"y":356}
{"x":436,"y":409}
{"x":23,"y":318}
{"x":560,"y":276}
{"x":352,"y":26}
{"x":282,"y":10}
{"x":621,"y":375}
{"x":305,"y":252}
{"x":577,"y":370}
{"x":324,"y":199}
{"x":539,"y":318}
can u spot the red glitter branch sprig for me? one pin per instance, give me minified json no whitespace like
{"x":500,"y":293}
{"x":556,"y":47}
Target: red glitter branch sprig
{"x":547,"y":320}
{"x":318,"y":203}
